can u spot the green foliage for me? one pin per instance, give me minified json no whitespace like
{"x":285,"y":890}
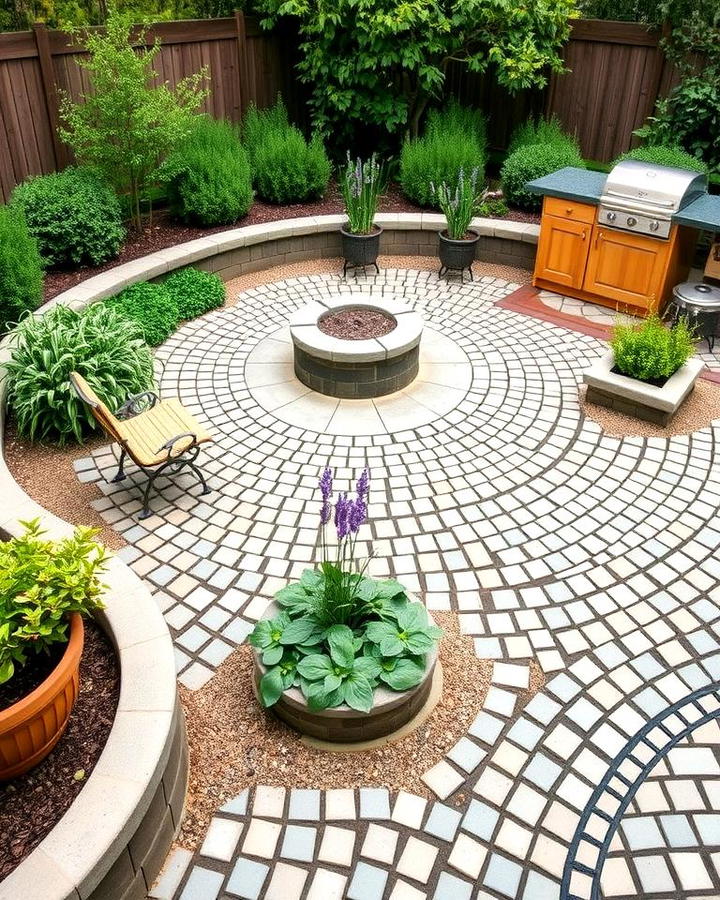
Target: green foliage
{"x":541,"y":131}
{"x":41,"y":583}
{"x":21,"y":276}
{"x":150,"y":308}
{"x":459,"y":203}
{"x":106,"y":349}
{"x":667,"y":156}
{"x":74,"y":215}
{"x":454,"y":140}
{"x":533,"y":161}
{"x":651,"y":351}
{"x":286,"y":168}
{"x":376,"y":63}
{"x":361,"y":184}
{"x":646,"y":11}
{"x":208,"y":175}
{"x":193,"y":292}
{"x":21,"y":14}
{"x":126,"y":125}
{"x":493,"y":208}
{"x":385,"y":638}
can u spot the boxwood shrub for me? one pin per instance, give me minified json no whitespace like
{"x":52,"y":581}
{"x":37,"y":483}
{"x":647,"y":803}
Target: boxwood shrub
{"x":208,"y":176}
{"x":150,"y":308}
{"x":533,"y":161}
{"x":286,"y":168}
{"x":21,"y":276}
{"x":99,"y":343}
{"x":74,"y":215}
{"x":193,"y":293}
{"x":667,"y":156}
{"x":454,"y":139}
{"x":651,"y":351}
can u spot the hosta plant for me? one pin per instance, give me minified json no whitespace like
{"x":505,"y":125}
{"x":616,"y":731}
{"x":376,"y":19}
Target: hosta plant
{"x":340,"y":634}
{"x":41,"y":583}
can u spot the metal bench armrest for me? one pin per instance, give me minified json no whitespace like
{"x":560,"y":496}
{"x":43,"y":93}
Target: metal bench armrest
{"x":137,"y":404}
{"x":168,"y":445}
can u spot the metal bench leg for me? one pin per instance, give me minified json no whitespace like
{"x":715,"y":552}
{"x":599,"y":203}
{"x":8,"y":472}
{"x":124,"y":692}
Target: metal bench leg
{"x":145,"y":512}
{"x":120,"y":474}
{"x":201,"y":478}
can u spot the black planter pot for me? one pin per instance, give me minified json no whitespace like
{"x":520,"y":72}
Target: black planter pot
{"x":457,"y":255}
{"x":360,"y":250}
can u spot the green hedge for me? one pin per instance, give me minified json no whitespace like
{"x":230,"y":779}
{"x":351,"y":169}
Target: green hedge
{"x":194,"y":293}
{"x":74,"y":215}
{"x":21,"y":275}
{"x":667,"y":156}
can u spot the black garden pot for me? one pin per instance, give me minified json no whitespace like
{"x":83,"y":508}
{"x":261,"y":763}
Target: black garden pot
{"x":361,"y":250}
{"x":457,"y":254}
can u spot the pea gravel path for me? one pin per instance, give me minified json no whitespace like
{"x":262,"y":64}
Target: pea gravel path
{"x":496,"y":499}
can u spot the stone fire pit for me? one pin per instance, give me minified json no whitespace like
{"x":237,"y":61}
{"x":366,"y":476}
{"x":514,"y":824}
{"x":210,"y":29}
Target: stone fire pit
{"x":356,"y":347}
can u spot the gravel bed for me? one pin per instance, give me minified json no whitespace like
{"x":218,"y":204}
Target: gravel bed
{"x":700,"y":409}
{"x":357,"y":324}
{"x":31,"y":805}
{"x":235,"y":744}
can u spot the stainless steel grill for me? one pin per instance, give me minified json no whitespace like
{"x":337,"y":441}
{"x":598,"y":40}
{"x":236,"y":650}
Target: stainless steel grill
{"x":642,"y":197}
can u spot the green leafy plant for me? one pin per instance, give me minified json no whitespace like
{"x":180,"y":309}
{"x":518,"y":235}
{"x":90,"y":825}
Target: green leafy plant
{"x":376,"y":64}
{"x":21,"y":273}
{"x":41,"y":583}
{"x":127,"y":124}
{"x":361,"y":184}
{"x":99,"y":343}
{"x":74,"y":215}
{"x":286,"y":168}
{"x":493,"y":207}
{"x":667,"y":156}
{"x":651,"y":351}
{"x":208,"y":175}
{"x":454,"y":139}
{"x":151,"y":308}
{"x":540,"y":131}
{"x":460,"y":204}
{"x":533,"y":161}
{"x":194,"y":292}
{"x":340,"y":634}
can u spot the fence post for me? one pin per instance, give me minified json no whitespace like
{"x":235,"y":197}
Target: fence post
{"x":243,"y":67}
{"x":42,"y":42}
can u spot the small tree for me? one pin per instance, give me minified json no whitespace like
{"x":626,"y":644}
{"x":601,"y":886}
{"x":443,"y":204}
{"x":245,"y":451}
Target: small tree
{"x":378,"y":62}
{"x":126,"y":125}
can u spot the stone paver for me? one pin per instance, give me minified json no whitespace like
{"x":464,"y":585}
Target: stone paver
{"x":594,"y":556}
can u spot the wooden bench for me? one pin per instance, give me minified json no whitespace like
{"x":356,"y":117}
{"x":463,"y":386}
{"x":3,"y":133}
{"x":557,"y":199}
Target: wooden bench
{"x":160,"y":436}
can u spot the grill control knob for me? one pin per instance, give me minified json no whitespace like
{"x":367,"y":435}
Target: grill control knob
{"x":611,"y":216}
{"x":631,"y":220}
{"x":654,"y":225}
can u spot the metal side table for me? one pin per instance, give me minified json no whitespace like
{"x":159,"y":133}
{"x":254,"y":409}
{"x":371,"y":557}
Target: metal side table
{"x":701,"y":304}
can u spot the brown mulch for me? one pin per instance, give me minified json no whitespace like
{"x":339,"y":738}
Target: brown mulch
{"x":165,"y":232}
{"x":357,"y":324}
{"x":31,"y":805}
{"x":235,"y":744}
{"x":699,"y":410}
{"x":45,"y":473}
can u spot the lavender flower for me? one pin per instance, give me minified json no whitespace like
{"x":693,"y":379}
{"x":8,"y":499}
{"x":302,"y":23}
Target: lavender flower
{"x":342,"y":516}
{"x":326,"y":484}
{"x":363,"y":485}
{"x":357,"y":514}
{"x":325,"y":512}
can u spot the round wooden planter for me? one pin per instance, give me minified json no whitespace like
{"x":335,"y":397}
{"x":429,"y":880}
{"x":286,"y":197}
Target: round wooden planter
{"x":343,"y":725}
{"x":30,"y":728}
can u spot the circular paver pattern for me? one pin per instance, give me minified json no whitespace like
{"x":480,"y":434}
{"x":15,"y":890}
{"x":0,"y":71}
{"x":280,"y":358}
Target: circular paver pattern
{"x":493,"y":497}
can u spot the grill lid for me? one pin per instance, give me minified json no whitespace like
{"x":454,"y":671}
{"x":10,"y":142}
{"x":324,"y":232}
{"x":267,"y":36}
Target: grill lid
{"x":640,"y":185}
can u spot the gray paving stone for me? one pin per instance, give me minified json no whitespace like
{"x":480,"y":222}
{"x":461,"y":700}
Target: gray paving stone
{"x":443,"y":822}
{"x":247,"y":879}
{"x":502,"y":875}
{"x":304,"y":804}
{"x":299,"y":843}
{"x":451,"y":888}
{"x":480,"y":820}
{"x":203,"y":884}
{"x":374,"y":803}
{"x":368,"y":883}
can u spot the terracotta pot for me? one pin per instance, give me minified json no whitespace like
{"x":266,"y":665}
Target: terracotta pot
{"x":30,"y":728}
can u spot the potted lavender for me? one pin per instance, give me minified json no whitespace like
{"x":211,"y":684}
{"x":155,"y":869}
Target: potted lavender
{"x":458,"y":243}
{"x":341,"y":656}
{"x":361,"y":185}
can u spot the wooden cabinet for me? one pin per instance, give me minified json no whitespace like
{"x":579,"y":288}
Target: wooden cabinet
{"x":628,"y":272}
{"x":627,"y":268}
{"x":562,"y":251}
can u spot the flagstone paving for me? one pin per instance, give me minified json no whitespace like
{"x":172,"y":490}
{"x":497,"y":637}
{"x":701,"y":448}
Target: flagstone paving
{"x":492,"y":497}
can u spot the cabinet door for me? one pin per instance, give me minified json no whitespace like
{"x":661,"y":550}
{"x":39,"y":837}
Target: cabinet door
{"x":562,"y":251}
{"x":625,"y":267}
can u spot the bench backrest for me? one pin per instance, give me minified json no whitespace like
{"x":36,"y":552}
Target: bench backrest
{"x":101,"y":413}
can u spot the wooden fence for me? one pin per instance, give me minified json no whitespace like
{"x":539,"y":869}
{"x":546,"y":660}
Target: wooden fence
{"x":616,"y":73}
{"x":246,"y":65}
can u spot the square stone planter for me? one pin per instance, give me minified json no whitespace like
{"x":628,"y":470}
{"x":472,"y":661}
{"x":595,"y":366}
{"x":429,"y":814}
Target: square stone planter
{"x":637,"y":398}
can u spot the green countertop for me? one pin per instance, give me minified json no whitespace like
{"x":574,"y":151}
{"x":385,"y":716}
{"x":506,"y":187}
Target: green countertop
{"x":586,"y":186}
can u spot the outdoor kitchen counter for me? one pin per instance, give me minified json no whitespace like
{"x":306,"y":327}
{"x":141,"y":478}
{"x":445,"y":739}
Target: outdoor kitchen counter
{"x":586,"y":187}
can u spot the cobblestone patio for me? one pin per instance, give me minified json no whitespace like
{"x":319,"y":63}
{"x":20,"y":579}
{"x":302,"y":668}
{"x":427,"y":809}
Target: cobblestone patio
{"x":492,"y":497}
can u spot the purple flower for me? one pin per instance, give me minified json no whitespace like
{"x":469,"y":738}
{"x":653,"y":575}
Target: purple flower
{"x":357,"y":514}
{"x":325,"y":512}
{"x":363,"y":485}
{"x":326,"y":484}
{"x":342,"y":516}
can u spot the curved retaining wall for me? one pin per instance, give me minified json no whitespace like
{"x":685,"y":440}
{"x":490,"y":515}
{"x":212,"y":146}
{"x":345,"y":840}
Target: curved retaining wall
{"x":112,"y":841}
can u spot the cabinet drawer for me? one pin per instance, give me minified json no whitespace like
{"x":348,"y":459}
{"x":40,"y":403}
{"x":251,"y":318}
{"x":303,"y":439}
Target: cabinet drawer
{"x":570,"y":209}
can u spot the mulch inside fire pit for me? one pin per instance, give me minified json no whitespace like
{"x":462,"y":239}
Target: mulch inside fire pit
{"x":357,"y":324}
{"x":31,"y":805}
